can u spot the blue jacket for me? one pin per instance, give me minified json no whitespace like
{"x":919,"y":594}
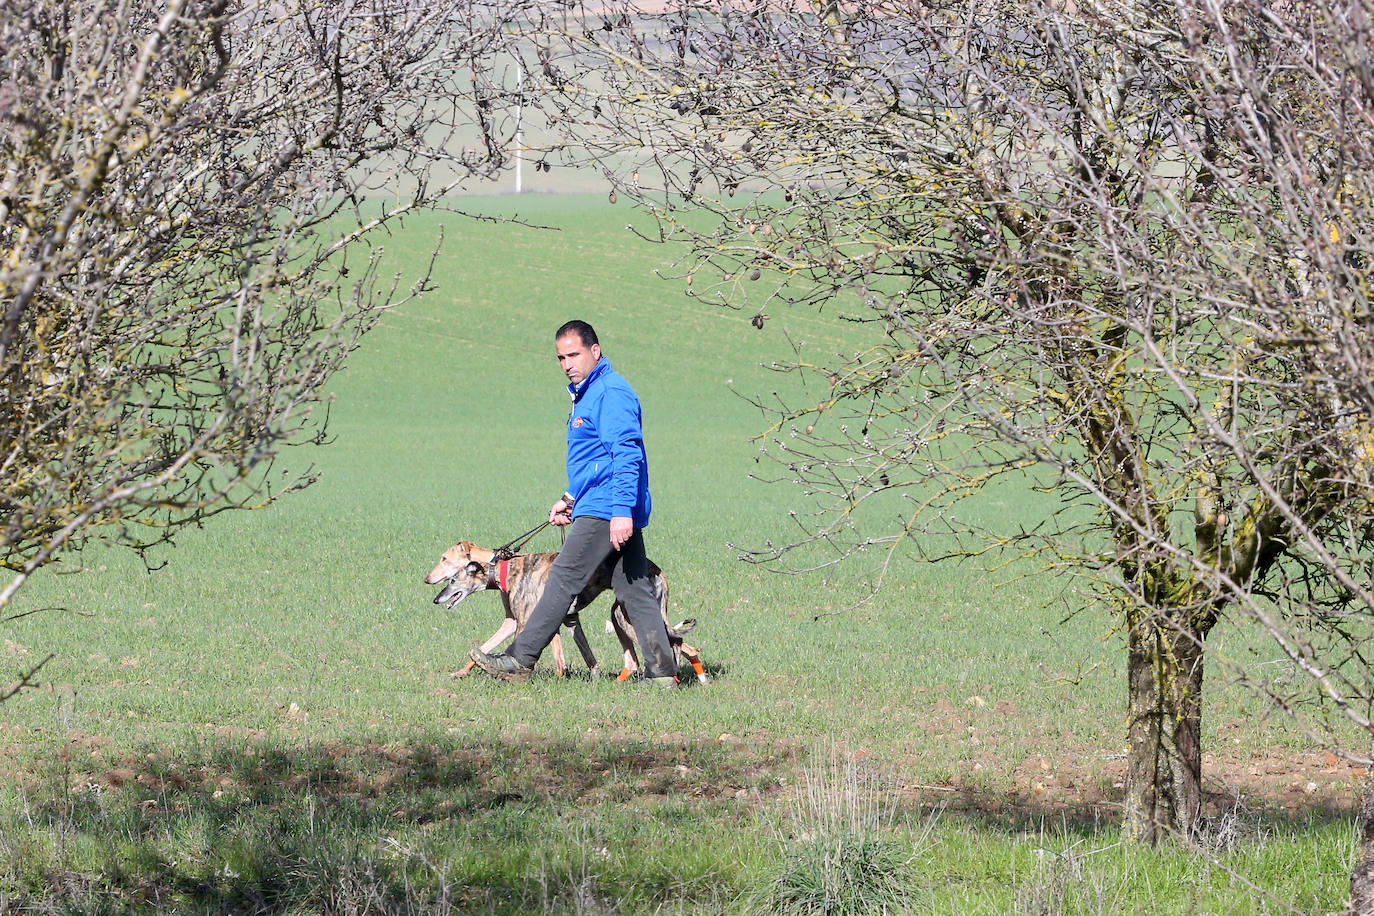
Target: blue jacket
{"x":608,"y":470}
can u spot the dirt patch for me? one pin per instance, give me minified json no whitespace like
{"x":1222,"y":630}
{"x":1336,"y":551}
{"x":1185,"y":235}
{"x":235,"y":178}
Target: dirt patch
{"x":1085,"y":785}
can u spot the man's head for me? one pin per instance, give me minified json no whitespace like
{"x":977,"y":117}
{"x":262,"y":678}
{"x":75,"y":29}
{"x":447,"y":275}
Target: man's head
{"x":578,"y":350}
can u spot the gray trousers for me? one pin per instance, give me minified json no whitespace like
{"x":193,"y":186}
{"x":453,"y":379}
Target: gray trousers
{"x":588,"y":545}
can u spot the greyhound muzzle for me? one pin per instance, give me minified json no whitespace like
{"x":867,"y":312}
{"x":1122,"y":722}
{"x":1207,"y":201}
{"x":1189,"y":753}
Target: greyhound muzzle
{"x":451,"y":594}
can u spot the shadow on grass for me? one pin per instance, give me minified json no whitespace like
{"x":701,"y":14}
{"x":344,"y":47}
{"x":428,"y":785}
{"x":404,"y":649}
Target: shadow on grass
{"x":1090,"y":814}
{"x":578,"y":673}
{"x":500,"y":827}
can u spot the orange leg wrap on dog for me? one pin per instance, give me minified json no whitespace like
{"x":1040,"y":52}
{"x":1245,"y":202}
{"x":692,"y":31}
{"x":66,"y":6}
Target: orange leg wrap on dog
{"x":625,"y":674}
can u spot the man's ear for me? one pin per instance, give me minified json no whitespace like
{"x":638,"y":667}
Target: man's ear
{"x":596,"y":351}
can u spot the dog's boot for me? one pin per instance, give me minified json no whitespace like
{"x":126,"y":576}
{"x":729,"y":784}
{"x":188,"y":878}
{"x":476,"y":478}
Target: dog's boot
{"x":501,"y":666}
{"x":667,"y":681}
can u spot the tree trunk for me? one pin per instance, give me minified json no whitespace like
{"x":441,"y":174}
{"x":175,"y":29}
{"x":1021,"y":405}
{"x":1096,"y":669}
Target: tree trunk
{"x":1362,"y":878}
{"x":1164,"y":757}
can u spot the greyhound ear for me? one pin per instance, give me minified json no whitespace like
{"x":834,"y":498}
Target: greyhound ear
{"x":474,"y":567}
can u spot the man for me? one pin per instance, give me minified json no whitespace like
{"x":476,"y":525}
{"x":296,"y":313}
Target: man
{"x":606,"y":506}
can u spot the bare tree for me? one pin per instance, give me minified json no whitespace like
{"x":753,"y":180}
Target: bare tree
{"x":1112,"y":249}
{"x":188,"y":202}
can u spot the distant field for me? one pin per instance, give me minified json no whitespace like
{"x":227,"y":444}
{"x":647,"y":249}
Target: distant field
{"x":269,"y":724}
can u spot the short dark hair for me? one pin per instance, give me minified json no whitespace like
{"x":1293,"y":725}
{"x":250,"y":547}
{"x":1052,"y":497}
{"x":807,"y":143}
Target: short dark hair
{"x":586,"y":332}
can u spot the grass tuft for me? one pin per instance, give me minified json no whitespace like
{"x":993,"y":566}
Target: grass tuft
{"x":839,"y":875}
{"x":840,"y":857}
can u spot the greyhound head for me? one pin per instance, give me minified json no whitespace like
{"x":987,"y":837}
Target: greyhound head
{"x":455,"y":590}
{"x":463,"y":570}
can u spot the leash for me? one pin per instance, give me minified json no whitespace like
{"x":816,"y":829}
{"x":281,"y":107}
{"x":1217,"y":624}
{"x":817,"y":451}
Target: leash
{"x":501,"y":556}
{"x":515,"y":544}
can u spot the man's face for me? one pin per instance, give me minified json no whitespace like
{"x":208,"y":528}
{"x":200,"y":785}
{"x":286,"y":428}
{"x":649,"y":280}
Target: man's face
{"x":575,"y":358}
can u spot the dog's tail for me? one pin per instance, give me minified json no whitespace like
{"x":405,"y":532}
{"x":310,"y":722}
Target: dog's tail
{"x":683,"y":628}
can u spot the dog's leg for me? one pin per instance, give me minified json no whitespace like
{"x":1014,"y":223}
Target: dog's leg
{"x":619,"y":624}
{"x":503,"y":633}
{"x":580,"y":638}
{"x":560,"y":661}
{"x":694,"y":658}
{"x":631,"y":665}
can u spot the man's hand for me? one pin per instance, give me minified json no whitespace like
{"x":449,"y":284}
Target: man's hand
{"x":622,"y":528}
{"x":560,"y":513}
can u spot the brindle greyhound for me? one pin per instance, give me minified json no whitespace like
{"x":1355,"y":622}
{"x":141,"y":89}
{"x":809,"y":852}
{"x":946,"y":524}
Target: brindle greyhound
{"x":466,"y":568}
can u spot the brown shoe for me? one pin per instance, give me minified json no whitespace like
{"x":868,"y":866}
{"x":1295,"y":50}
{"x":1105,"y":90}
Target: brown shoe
{"x":501,"y":666}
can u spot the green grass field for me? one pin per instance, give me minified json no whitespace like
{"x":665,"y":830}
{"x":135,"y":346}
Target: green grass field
{"x":268,"y":724}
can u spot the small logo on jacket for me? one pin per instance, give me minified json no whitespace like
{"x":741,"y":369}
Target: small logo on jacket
{"x":577,"y":421}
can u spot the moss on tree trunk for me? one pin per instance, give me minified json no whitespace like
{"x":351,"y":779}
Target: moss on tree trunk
{"x":1164,"y":752}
